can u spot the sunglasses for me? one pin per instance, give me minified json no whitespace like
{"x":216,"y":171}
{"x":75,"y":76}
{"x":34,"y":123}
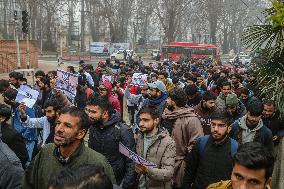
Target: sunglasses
{"x":102,"y":89}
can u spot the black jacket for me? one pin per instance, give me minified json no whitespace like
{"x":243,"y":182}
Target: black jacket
{"x":213,"y":165}
{"x":105,"y":137}
{"x":15,"y":141}
{"x":11,"y":170}
{"x":276,"y":125}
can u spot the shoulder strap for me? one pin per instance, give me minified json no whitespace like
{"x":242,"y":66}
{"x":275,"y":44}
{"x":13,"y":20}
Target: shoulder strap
{"x":234,"y":147}
{"x":202,"y":143}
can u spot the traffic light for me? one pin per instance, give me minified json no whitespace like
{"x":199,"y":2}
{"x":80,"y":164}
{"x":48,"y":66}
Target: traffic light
{"x":25,"y":22}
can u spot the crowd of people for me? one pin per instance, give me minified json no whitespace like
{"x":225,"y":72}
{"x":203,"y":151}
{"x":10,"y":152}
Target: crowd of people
{"x":203,"y":126}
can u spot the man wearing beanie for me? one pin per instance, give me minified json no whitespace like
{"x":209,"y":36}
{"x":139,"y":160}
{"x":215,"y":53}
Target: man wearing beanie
{"x":235,"y":107}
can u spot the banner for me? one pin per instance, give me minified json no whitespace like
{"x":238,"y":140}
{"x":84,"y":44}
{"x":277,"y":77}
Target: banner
{"x":67,"y":83}
{"x":136,"y":158}
{"x":99,"y":47}
{"x":107,"y":78}
{"x":27,"y":95}
{"x":139,"y":79}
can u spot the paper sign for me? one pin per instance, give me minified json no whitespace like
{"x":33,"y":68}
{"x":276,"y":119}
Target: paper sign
{"x":27,"y":95}
{"x":107,"y":78}
{"x":67,"y":83}
{"x":135,"y":157}
{"x":139,"y":79}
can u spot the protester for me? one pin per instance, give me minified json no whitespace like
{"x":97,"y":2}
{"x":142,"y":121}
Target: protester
{"x":105,"y":90}
{"x":163,"y":76}
{"x":67,"y":151}
{"x":193,"y":96}
{"x":29,"y":134}
{"x":157,"y":96}
{"x":210,"y":160}
{"x":253,"y":166}
{"x":82,"y":177}
{"x":106,"y":132}
{"x":10,"y":168}
{"x":271,"y":118}
{"x":221,"y":99}
{"x":46,"y":123}
{"x":16,"y":79}
{"x":247,"y":97}
{"x":4,"y":85}
{"x":156,"y":146}
{"x":237,"y":86}
{"x":235,"y":107}
{"x":250,"y":128}
{"x":11,"y":137}
{"x":205,"y":109}
{"x":185,"y":128}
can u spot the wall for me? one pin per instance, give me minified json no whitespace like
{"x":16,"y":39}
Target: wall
{"x":8,"y":55}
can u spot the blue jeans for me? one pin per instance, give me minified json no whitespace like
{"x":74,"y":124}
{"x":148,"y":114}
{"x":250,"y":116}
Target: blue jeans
{"x":30,"y":148}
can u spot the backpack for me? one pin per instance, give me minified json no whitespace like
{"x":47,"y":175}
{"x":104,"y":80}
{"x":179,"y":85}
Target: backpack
{"x":203,"y":141}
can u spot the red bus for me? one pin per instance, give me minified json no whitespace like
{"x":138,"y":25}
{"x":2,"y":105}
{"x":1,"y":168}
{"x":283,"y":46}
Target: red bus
{"x":178,"y":50}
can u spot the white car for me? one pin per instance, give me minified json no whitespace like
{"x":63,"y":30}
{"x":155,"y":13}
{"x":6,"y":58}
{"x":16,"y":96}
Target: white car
{"x":120,"y":55}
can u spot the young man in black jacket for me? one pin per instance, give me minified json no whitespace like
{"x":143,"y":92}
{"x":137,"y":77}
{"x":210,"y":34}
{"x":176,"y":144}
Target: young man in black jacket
{"x":210,"y":160}
{"x":11,"y":137}
{"x":106,"y":132}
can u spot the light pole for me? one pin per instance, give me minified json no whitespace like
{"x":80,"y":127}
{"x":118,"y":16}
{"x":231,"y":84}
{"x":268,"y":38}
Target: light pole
{"x":27,"y":37}
{"x":17,"y":39}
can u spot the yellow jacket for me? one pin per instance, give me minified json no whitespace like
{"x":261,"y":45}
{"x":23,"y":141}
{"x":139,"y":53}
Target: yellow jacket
{"x":225,"y":185}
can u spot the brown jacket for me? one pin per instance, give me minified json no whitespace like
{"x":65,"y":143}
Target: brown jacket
{"x":186,"y":129}
{"x":162,"y":152}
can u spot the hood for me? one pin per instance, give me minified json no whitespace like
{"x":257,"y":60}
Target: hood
{"x":159,"y":99}
{"x":114,"y":119}
{"x":243,"y":124}
{"x":108,"y":87}
{"x":181,"y":112}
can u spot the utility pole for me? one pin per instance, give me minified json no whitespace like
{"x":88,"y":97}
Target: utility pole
{"x":27,"y":36}
{"x":17,"y":39}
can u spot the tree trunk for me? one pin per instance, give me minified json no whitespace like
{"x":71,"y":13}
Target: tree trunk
{"x":82,"y":25}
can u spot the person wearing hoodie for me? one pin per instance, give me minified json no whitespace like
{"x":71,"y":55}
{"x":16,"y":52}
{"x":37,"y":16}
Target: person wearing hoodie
{"x":157,"y":96}
{"x":221,"y":99}
{"x":235,"y":107}
{"x":186,"y":129}
{"x":250,"y":127}
{"x":205,"y":109}
{"x":105,"y":90}
{"x":106,"y":132}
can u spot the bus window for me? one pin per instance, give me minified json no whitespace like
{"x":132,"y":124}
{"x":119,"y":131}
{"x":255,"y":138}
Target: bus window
{"x":179,"y":50}
{"x":172,"y":50}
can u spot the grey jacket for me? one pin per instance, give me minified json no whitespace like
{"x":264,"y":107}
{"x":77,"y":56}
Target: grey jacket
{"x":11,"y":170}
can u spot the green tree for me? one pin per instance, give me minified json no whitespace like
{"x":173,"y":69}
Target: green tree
{"x":269,"y":39}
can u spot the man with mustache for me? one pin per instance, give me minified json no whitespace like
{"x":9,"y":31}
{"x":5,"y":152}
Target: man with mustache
{"x":250,"y":127}
{"x":68,"y":151}
{"x":106,"y":132}
{"x":205,"y":110}
{"x":210,"y":159}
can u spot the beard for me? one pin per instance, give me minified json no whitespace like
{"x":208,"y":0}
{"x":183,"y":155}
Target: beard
{"x":61,"y":140}
{"x":171,"y":108}
{"x":251,"y":124}
{"x":51,"y":120}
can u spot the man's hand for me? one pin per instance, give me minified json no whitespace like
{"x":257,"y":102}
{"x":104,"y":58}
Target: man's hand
{"x":275,"y":138}
{"x":22,"y":109}
{"x":141,"y":169}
